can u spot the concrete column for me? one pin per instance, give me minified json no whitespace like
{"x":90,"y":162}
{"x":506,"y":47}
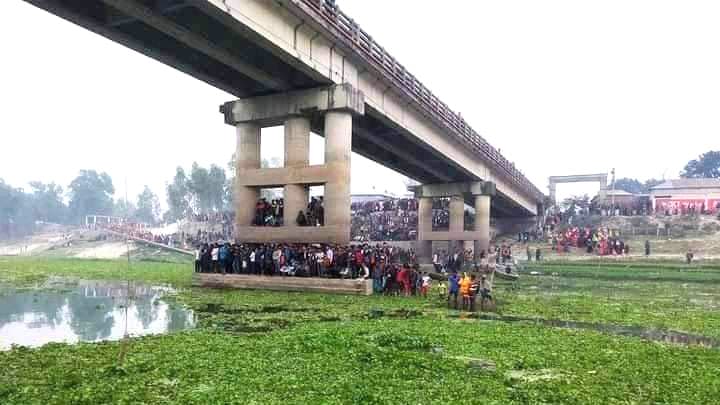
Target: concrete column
{"x":424,"y":247}
{"x":338,"y":145}
{"x":457,"y":214}
{"x":297,"y":142}
{"x":247,"y":156}
{"x":457,"y":219}
{"x":297,"y":154}
{"x":482,"y":224}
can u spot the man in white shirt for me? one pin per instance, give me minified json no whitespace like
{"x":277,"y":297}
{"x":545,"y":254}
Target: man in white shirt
{"x":436,"y":262}
{"x":330,"y":254}
{"x":253,"y":269}
{"x":197,"y":259}
{"x":214,"y":255}
{"x":425,"y":287}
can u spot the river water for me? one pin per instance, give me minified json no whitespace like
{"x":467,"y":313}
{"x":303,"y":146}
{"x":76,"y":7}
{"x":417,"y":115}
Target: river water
{"x":86,"y":311}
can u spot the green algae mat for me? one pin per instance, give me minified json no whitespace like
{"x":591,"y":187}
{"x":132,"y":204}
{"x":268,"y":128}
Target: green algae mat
{"x":266,"y":347}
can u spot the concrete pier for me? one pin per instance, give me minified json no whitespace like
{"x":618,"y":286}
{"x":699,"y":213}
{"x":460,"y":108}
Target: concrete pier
{"x":423,"y":247}
{"x":482,"y":224}
{"x":247,"y":157}
{"x":338,"y":143}
{"x":477,"y":193}
{"x":332,"y":109}
{"x":297,"y":154}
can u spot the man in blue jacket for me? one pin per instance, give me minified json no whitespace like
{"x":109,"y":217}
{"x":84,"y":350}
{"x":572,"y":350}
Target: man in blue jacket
{"x":453,"y":288}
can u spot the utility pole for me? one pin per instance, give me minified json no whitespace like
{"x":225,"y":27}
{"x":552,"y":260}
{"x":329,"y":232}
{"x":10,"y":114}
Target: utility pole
{"x":612,"y":192}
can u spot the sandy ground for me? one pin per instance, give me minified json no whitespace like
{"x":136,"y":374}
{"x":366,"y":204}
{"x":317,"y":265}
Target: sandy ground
{"x":52,"y":244}
{"x":110,"y":250}
{"x":29,"y":246}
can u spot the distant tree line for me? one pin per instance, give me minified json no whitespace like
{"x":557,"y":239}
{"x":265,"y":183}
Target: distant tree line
{"x":202,"y":191}
{"x":706,"y":165}
{"x":634,"y":186}
{"x":89,"y":193}
{"x":206,"y":190}
{"x":199,"y":191}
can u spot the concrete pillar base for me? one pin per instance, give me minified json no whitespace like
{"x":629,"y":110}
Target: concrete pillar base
{"x":482,"y":224}
{"x":247,"y":156}
{"x":338,"y":146}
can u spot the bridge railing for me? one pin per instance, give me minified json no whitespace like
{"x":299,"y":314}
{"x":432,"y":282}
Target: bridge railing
{"x":363,"y":43}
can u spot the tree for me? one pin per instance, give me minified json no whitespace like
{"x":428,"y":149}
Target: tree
{"x":632,"y":186}
{"x":706,"y":165}
{"x":48,"y":202}
{"x":576,"y":204}
{"x":178,"y":196}
{"x":16,"y":212}
{"x":198,"y":185}
{"x":650,"y":184}
{"x":148,"y":207}
{"x":124,"y":209}
{"x":207,"y":188}
{"x":230,"y":185}
{"x":91,"y":193}
{"x":216,"y":187}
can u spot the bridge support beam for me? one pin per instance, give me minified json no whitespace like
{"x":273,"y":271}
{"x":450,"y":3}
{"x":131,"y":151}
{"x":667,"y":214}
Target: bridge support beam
{"x":247,"y":157}
{"x":423,"y":248}
{"x":332,"y":108}
{"x":338,"y":146}
{"x":478,"y":193}
{"x":457,"y":220}
{"x":482,"y":225}
{"x":297,"y":154}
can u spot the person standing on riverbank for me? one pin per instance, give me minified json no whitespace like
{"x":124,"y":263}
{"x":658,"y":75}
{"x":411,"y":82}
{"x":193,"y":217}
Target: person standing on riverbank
{"x":425,"y":286}
{"x":453,"y":288}
{"x":465,"y":284}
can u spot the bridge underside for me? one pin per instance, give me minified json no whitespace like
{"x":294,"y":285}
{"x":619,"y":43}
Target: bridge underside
{"x":203,"y":41}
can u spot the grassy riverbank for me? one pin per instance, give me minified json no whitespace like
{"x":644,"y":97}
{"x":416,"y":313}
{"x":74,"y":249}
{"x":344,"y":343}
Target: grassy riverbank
{"x":269,"y":347}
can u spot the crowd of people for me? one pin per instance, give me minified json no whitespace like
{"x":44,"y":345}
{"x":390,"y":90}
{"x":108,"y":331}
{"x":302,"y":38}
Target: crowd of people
{"x":687,"y":207}
{"x":463,"y":291}
{"x":181,"y":240}
{"x":305,"y":260}
{"x":225,"y":218}
{"x":393,"y":271}
{"x":272,"y":213}
{"x":396,"y":219}
{"x":384,"y":220}
{"x":269,"y":213}
{"x":601,"y":241}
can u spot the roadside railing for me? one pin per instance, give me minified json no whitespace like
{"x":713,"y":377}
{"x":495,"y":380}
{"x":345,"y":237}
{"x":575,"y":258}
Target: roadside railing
{"x":353,"y":36}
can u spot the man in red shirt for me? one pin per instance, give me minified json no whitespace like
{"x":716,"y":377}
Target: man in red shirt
{"x":403,"y":278}
{"x":358,"y":262}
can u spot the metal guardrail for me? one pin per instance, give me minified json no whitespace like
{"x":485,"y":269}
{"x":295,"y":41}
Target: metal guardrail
{"x":354,"y":37}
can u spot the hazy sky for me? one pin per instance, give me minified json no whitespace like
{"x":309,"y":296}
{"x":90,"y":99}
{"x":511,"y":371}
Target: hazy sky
{"x":561,"y":87}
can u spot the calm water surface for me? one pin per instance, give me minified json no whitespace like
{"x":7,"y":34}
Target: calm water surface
{"x":86,"y":311}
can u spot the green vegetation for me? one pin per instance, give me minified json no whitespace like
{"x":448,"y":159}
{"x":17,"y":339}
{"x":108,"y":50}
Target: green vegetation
{"x":385,"y":361}
{"x":30,"y":271}
{"x":271,"y":347}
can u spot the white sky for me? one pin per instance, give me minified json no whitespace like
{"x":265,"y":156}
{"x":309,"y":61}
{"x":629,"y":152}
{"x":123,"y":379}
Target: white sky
{"x":561,"y":87}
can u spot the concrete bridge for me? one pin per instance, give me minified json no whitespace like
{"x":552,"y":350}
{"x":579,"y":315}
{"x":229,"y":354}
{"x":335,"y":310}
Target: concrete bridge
{"x":305,"y":64}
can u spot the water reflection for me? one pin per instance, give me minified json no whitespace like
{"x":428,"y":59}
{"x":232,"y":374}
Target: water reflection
{"x":86,"y":311}
{"x":657,"y":335}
